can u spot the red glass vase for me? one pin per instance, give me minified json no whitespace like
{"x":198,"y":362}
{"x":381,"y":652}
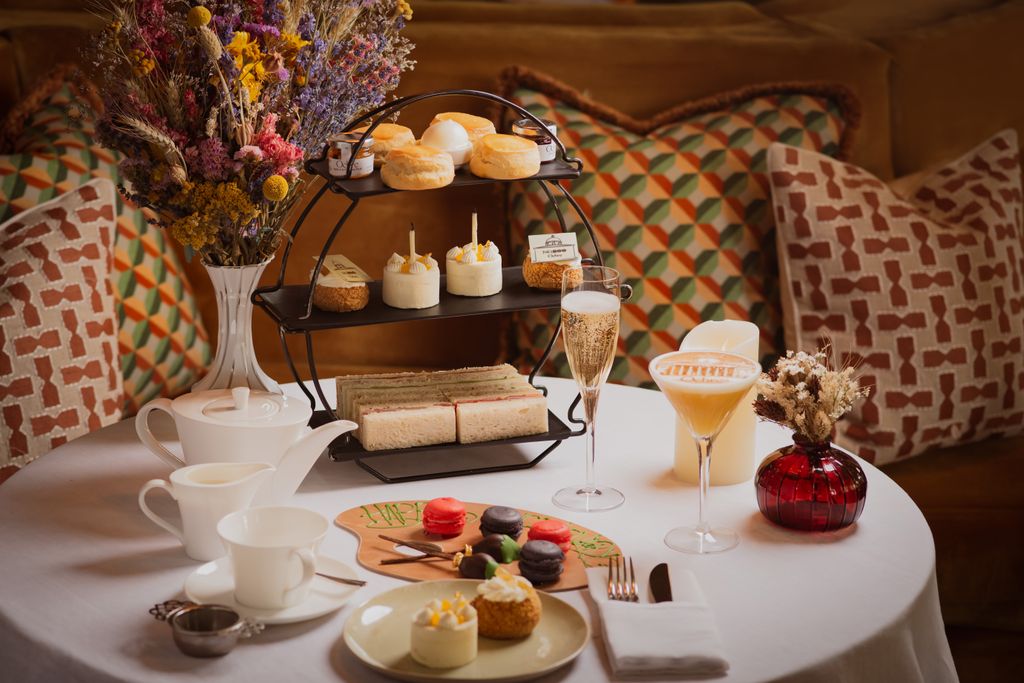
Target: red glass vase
{"x":811,"y":486}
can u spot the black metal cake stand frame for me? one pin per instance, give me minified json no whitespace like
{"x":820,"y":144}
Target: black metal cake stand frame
{"x":291,"y":306}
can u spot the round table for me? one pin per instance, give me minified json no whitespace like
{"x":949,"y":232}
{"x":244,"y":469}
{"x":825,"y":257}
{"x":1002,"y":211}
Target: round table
{"x":81,"y":565}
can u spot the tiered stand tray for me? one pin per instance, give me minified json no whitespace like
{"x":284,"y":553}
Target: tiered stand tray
{"x":291,"y":306}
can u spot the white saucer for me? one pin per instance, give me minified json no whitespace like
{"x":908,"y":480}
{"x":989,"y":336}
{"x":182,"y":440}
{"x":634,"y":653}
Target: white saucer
{"x":215,"y":583}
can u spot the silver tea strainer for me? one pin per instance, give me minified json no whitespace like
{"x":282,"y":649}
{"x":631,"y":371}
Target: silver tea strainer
{"x":204,"y":630}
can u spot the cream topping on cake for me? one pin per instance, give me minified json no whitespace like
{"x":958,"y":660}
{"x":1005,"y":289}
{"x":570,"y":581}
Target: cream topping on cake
{"x":401,"y":264}
{"x":468,"y":254}
{"x":446,"y":614}
{"x":505,"y":587}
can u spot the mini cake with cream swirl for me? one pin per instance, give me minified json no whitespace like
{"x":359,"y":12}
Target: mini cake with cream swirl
{"x":412,"y":281}
{"x":473,"y":269}
{"x":444,"y":633}
{"x":507,"y":606}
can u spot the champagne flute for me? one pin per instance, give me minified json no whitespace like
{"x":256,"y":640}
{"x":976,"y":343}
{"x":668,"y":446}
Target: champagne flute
{"x":591,"y":299}
{"x":704,"y":387}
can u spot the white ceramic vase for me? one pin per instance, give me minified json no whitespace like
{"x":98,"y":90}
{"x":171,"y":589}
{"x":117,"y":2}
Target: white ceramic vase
{"x":235,"y":364}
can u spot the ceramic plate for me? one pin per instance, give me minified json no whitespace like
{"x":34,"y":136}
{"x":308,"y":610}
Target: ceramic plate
{"x":214,"y":583}
{"x":378,"y":633}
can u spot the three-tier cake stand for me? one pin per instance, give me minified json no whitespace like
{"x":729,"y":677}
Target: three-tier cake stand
{"x":291,"y":306}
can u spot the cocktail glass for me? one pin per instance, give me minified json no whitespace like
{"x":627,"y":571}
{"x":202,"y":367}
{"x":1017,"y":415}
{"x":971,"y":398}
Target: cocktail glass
{"x":704,"y":387}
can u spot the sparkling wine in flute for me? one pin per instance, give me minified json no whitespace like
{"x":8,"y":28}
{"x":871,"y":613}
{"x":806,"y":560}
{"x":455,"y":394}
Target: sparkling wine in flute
{"x":591,"y":298}
{"x":590,"y":328}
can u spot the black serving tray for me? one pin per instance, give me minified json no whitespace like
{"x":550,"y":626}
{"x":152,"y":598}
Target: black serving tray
{"x":287,"y":306}
{"x":355,"y":188}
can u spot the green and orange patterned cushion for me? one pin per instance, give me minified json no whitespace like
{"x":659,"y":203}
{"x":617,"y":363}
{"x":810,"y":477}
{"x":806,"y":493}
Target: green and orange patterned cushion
{"x":680,"y":206}
{"x":162,"y":342}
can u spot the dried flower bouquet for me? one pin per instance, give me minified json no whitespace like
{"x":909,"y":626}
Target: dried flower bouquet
{"x":215,"y":104}
{"x":803,"y":393}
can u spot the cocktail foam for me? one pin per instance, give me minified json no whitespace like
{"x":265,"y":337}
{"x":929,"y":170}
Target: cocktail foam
{"x":706,"y":368}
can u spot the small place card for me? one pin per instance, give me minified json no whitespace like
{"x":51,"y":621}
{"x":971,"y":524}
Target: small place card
{"x":560,"y":246}
{"x":339,"y":265}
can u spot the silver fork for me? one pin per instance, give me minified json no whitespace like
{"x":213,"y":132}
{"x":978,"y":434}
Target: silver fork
{"x":620,"y":586}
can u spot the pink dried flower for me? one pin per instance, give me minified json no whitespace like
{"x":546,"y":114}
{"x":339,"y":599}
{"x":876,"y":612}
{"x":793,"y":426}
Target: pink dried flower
{"x":209,"y":159}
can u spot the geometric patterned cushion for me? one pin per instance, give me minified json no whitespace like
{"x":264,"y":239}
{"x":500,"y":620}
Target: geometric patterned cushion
{"x":679,"y":205}
{"x":163,"y":344}
{"x":58,"y":357}
{"x":923,"y":294}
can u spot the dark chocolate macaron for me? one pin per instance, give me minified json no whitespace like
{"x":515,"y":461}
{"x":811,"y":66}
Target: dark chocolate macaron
{"x":501,"y":520}
{"x":541,"y":562}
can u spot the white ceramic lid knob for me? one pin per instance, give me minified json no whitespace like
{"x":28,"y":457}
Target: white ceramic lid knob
{"x":241,"y":397}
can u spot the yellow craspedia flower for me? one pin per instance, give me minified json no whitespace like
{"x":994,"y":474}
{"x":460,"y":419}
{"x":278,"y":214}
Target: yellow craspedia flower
{"x":199,"y":16}
{"x":142,"y":63}
{"x":404,"y":9}
{"x":275,"y":188}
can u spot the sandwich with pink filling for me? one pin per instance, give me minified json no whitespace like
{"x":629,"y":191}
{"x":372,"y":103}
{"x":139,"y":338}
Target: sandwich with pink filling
{"x":470,"y":405}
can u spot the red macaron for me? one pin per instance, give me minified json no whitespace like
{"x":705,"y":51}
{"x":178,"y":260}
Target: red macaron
{"x":444,"y":517}
{"x":552,"y":530}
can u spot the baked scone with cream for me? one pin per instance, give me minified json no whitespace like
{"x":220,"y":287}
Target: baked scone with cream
{"x":507,"y":606}
{"x":411,"y":281}
{"x":444,"y":633}
{"x":332,"y":292}
{"x":387,"y":137}
{"x":417,"y":167}
{"x":449,"y":136}
{"x":548,"y":275}
{"x":476,"y":126}
{"x":473,"y":269}
{"x":504,"y":157}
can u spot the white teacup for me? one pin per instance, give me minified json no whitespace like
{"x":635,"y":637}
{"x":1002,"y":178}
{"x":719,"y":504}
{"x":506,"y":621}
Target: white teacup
{"x":205,"y":494}
{"x":273,"y":553}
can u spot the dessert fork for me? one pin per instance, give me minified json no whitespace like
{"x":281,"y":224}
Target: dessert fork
{"x":620,"y":586}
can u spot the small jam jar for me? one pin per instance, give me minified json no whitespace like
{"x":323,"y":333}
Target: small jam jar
{"x":339,"y":153}
{"x":545,"y":139}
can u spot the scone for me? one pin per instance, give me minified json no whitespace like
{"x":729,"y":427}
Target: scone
{"x":333,"y":293}
{"x":388,"y":137}
{"x":549,"y":275}
{"x":417,"y":167}
{"x":449,"y":136}
{"x":504,"y":157}
{"x":507,"y":606}
{"x":476,"y":126}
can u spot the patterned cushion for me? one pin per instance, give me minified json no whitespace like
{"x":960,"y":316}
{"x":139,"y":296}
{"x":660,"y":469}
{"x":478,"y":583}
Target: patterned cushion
{"x":923,"y":294}
{"x":680,"y":206}
{"x":163,"y":343}
{"x":58,"y":360}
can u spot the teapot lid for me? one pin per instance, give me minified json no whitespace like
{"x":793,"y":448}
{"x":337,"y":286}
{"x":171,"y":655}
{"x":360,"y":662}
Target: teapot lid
{"x":243,"y":407}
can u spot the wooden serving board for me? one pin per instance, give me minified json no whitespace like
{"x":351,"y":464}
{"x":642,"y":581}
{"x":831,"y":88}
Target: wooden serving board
{"x":402,"y":519}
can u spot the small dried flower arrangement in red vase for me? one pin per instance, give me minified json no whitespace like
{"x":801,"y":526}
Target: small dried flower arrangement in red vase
{"x":811,"y":485}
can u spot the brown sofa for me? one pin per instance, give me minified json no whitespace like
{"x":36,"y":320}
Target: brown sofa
{"x":934,"y":77}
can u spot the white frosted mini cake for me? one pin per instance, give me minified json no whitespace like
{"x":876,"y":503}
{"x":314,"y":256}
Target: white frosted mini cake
{"x":474,"y":270}
{"x":412,"y":282}
{"x":444,"y":634}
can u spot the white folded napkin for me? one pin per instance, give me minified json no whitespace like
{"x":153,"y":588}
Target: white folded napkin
{"x":676,"y":639}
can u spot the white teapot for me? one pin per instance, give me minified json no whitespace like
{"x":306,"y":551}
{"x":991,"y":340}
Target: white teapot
{"x":241,"y":425}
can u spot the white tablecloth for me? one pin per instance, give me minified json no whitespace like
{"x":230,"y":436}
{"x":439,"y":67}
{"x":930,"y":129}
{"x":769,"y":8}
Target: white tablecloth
{"x":80,"y":565}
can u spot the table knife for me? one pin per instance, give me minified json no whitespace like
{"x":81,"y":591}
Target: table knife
{"x":661,"y":586}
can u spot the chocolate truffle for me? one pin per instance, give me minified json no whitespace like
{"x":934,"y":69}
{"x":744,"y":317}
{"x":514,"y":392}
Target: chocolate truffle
{"x":478,"y":566}
{"x":499,"y":546}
